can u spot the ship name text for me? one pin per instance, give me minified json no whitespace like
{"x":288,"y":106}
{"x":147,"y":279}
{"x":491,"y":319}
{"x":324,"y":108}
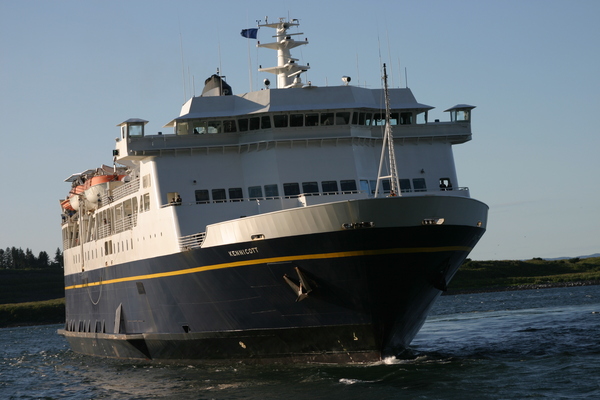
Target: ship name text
{"x":243,"y":252}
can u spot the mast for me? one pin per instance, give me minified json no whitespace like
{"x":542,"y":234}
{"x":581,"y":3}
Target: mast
{"x":388,"y":148}
{"x":287,"y":71}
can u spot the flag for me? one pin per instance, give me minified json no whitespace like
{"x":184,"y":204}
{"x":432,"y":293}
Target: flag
{"x":249,"y":33}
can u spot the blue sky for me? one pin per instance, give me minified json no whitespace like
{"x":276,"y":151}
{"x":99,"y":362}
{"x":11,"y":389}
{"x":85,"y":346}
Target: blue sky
{"x":72,"y":70}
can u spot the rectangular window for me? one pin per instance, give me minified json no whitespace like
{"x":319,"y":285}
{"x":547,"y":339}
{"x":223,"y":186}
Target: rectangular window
{"x":327,"y":118}
{"x":235,"y":194}
{"x":386,"y":185}
{"x":369,"y":119}
{"x":291,"y":189}
{"x":199,"y":127}
{"x":229,"y":126}
{"x":355,"y":118}
{"x":379,"y":119}
{"x":214,"y":127}
{"x":361,"y":118}
{"x":146,"y":181}
{"x":419,"y":185}
{"x":422,"y":118}
{"x":219,"y":196}
{"x":311,"y":119}
{"x":265,"y":122}
{"x":342,"y":118}
{"x":243,"y":124}
{"x":405,"y":185}
{"x":254,"y":123}
{"x":406,"y":118}
{"x":147,"y":202}
{"x":271,"y":191}
{"x":202,"y":196}
{"x":372,"y":186}
{"x":297,"y":120}
{"x":364,"y":186}
{"x":329,"y":187}
{"x":136,"y":130}
{"x":310,"y":188}
{"x":280,"y":120}
{"x":108,"y":247}
{"x":182,"y":128}
{"x":255,"y":193}
{"x":348,"y":185}
{"x":394,"y":117}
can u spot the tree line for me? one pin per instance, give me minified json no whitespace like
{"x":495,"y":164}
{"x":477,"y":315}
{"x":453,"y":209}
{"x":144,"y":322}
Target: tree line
{"x":13,"y":258}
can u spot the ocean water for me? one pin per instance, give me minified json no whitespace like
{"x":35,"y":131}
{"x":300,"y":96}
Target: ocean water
{"x":538,"y":344}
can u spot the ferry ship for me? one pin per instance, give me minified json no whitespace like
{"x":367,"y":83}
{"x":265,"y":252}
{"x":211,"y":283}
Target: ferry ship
{"x":298,"y":223}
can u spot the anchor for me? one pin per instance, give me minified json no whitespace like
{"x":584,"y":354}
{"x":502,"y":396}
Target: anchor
{"x":301,"y":290}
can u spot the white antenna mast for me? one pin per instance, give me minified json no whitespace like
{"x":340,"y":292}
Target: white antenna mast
{"x":182,"y":67}
{"x":388,"y":144}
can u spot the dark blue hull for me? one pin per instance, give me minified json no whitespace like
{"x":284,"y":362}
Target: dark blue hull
{"x":354,"y":295}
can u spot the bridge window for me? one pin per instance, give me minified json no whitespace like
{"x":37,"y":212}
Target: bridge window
{"x":291,"y":189}
{"x":310,"y":188}
{"x":348,"y":185}
{"x":271,"y":191}
{"x":327,"y":118}
{"x":198,"y":127}
{"x":214,"y":127}
{"x":254,"y":123}
{"x":461,"y":115}
{"x":297,"y":120}
{"x":311,"y":119}
{"x":202,"y":196}
{"x":406,"y":118}
{"x":280,"y":120}
{"x":329,"y":187}
{"x":405,"y":185}
{"x":255,"y":193}
{"x":229,"y":126}
{"x":235,"y":194}
{"x":182,"y":128}
{"x":243,"y":124}
{"x":136,"y":130}
{"x":265,"y":122}
{"x":342,"y":118}
{"x":379,"y":119}
{"x":419,"y":185}
{"x":219,"y":195}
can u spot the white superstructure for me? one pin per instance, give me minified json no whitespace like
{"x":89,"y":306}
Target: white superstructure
{"x":247,"y":167}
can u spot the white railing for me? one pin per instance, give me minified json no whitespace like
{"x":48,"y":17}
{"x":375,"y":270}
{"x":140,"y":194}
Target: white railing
{"x":121,"y":191}
{"x":191,"y":241}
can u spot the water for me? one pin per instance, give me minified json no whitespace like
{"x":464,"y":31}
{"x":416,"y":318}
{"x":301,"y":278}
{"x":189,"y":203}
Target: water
{"x":540,"y":344}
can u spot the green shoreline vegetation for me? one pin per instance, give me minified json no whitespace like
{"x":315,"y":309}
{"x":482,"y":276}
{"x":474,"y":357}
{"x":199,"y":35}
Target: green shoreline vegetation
{"x":36,"y":296}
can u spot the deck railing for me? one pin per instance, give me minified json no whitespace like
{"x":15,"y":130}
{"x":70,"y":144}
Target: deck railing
{"x":190,"y":242}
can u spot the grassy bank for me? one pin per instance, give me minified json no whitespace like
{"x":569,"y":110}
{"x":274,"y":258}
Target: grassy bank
{"x":32,"y":313}
{"x":486,"y":275}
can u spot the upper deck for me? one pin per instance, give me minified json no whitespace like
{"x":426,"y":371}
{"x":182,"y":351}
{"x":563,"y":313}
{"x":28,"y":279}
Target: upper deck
{"x":301,"y":114}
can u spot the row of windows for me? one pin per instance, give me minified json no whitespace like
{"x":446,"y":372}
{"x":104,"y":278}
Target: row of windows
{"x":293,"y":189}
{"x":285,"y":120}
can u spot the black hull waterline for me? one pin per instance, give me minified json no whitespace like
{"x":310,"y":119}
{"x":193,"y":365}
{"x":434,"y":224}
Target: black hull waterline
{"x":348,"y":296}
